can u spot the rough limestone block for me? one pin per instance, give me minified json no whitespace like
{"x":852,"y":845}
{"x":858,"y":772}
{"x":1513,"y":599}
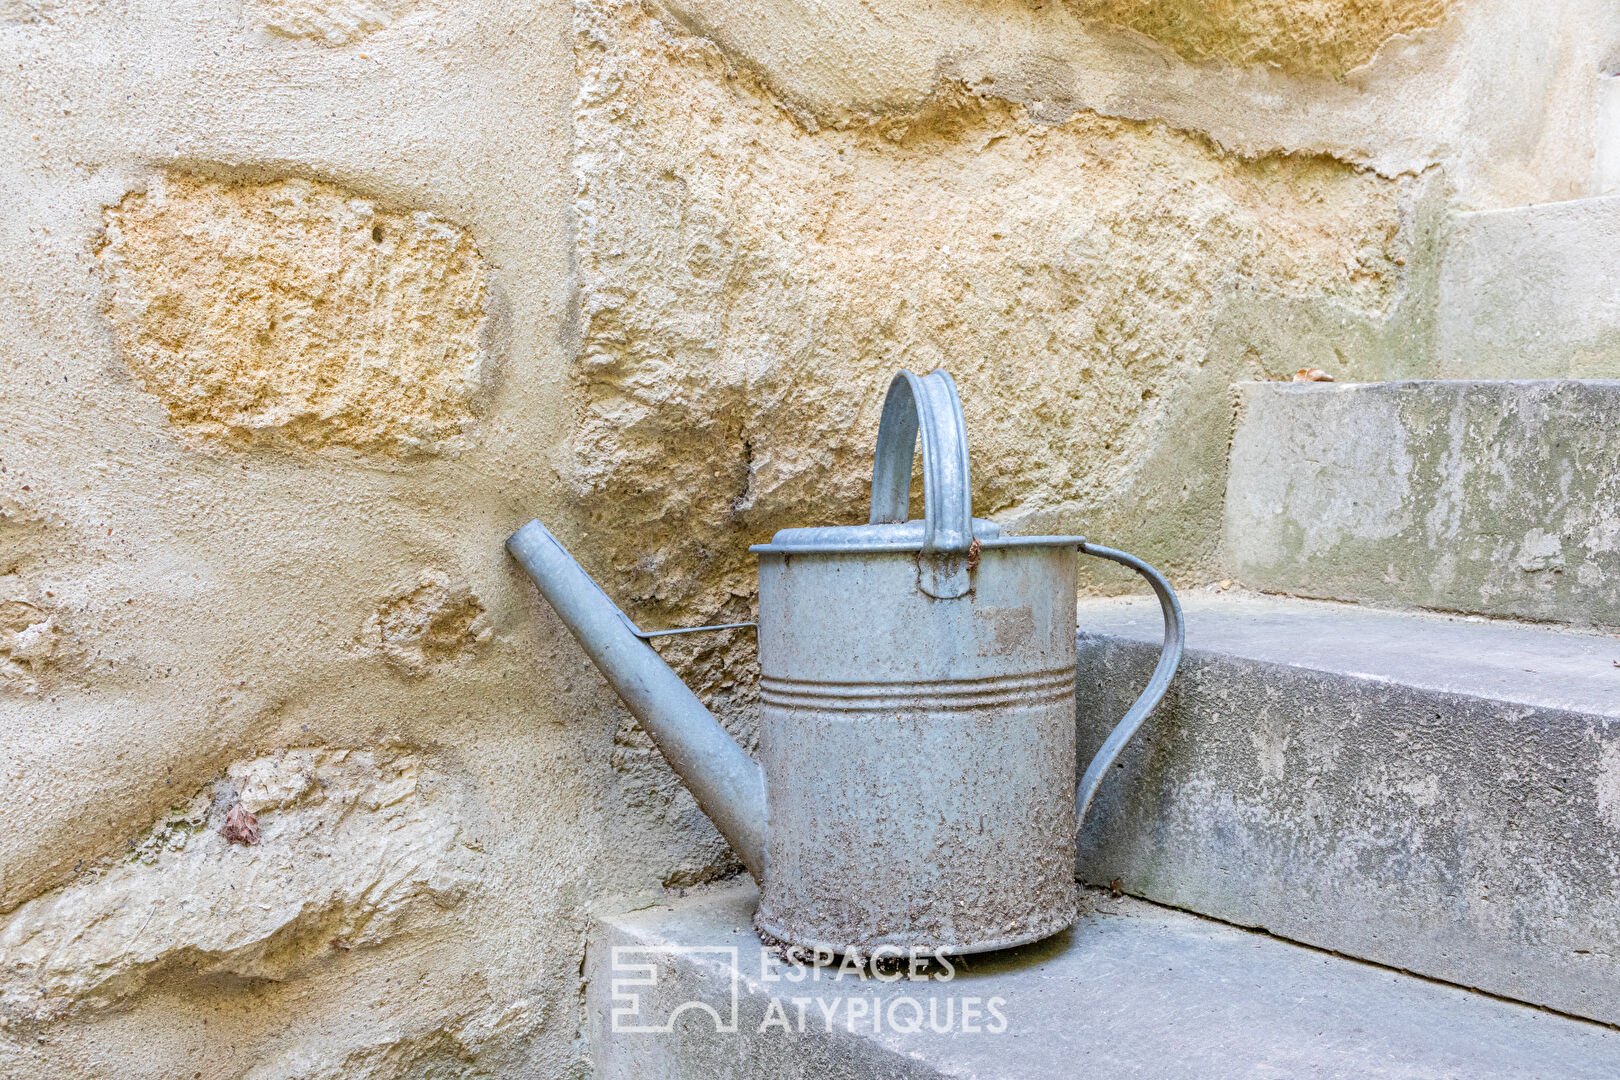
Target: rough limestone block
{"x":298,"y":313}
{"x":1434,"y":793}
{"x":1133,"y":990}
{"x":1501,"y":498}
{"x":1326,"y":38}
{"x":349,"y":849}
{"x":1531,"y":292}
{"x":749,"y":285}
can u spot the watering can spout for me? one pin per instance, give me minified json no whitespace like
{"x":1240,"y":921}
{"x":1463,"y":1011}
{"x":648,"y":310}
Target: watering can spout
{"x":728,"y":785}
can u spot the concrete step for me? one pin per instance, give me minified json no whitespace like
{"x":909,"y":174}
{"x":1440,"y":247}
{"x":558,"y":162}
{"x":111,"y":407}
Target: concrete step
{"x":1133,"y":990}
{"x":1531,"y":292}
{"x":1501,"y":498}
{"x":1438,"y":794}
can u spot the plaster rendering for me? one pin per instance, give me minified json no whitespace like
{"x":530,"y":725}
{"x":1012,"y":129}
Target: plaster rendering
{"x":309,"y":303}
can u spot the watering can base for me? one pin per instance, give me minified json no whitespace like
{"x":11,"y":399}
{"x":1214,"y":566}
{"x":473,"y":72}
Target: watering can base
{"x":1025,"y":930}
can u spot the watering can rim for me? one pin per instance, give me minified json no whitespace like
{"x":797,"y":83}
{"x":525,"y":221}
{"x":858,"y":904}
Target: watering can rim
{"x":907,"y":536}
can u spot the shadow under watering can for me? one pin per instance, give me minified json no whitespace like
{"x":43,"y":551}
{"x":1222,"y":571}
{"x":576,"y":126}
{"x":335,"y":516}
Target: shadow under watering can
{"x":915,"y":784}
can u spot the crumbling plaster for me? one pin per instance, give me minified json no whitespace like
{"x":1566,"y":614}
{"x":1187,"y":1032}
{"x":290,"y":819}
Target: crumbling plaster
{"x":214,"y":600}
{"x":769,"y":195}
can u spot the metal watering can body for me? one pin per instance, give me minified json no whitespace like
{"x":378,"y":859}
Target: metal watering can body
{"x":916,"y":785}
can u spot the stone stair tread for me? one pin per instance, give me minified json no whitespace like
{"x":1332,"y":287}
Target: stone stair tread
{"x":1429,"y":792}
{"x":1543,"y":666}
{"x":1133,"y":989}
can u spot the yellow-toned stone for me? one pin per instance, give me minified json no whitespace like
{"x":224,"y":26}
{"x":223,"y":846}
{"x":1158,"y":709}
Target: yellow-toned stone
{"x":330,"y":22}
{"x":749,"y":287}
{"x":1323,"y":37}
{"x":297,"y":313}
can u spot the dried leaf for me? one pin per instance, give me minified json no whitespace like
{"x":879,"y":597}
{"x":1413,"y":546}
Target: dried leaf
{"x":240,"y":826}
{"x":1314,"y":374}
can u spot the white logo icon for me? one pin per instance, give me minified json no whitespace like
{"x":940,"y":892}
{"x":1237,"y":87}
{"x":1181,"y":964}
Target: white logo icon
{"x":637,"y":966}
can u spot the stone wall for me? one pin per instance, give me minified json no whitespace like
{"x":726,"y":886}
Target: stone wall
{"x":309,"y":304}
{"x":749,"y":284}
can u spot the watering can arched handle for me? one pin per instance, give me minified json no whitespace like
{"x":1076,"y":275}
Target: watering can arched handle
{"x":925,"y":406}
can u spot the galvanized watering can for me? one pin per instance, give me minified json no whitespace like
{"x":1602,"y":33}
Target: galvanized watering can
{"x":915,"y":787}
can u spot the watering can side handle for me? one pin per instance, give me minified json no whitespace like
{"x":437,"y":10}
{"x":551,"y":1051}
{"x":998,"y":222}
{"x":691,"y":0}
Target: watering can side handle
{"x":1175,"y":637}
